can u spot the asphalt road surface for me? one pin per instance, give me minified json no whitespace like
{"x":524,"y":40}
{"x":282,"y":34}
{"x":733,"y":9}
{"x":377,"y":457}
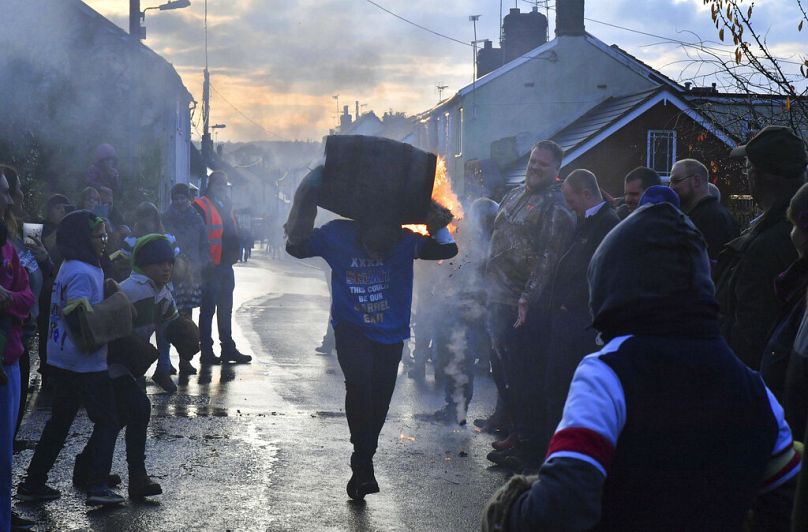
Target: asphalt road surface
{"x":265,"y":446}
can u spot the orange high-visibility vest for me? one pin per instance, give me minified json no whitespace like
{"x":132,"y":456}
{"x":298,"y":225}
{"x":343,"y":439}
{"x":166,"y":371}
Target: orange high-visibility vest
{"x":214,"y":225}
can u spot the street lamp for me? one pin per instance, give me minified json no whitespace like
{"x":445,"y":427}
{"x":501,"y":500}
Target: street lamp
{"x":217,"y":126}
{"x":136,"y":16}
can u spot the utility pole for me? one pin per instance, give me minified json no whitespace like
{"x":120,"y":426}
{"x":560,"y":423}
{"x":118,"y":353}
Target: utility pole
{"x":474,"y":19}
{"x":500,"y":23}
{"x":207,"y":142}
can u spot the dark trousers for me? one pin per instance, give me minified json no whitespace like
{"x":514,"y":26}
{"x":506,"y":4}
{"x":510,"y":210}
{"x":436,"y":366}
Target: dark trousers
{"x":522,"y":367}
{"x":217,"y":298}
{"x":370,"y":369}
{"x":70,"y":391}
{"x":25,"y":382}
{"x":134,"y":412}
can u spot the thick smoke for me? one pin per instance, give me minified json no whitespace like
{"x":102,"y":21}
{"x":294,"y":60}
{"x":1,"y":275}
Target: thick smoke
{"x":70,"y":81}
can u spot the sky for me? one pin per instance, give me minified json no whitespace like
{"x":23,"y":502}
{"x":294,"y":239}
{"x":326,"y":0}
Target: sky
{"x":276,"y":65}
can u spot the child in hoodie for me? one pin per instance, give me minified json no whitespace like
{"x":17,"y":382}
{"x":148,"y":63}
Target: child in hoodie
{"x":146,"y":288}
{"x":80,"y":378}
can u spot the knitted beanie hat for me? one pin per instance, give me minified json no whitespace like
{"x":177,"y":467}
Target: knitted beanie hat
{"x":151,"y":249}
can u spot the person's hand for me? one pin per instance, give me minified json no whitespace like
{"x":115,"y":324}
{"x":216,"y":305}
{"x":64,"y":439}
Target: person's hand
{"x":37,"y":248}
{"x":521,"y":314}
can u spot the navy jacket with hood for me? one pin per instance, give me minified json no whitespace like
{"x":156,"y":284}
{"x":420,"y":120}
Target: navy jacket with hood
{"x":664,"y":428}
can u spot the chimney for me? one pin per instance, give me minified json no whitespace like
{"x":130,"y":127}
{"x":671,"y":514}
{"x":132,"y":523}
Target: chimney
{"x":356,"y":116}
{"x":570,"y":17}
{"x":345,"y":119}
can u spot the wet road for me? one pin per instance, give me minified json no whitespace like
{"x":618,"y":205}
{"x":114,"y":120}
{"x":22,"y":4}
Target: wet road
{"x":265,"y":446}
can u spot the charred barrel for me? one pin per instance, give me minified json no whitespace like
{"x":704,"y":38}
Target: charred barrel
{"x":373,"y":179}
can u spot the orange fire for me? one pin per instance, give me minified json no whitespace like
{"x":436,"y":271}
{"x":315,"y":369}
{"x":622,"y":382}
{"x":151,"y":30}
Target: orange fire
{"x":442,"y":193}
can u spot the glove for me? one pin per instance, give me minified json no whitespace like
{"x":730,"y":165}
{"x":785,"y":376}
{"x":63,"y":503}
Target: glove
{"x":438,"y":217}
{"x":497,"y":511}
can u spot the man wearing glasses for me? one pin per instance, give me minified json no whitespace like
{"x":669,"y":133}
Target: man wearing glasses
{"x":690,"y":180}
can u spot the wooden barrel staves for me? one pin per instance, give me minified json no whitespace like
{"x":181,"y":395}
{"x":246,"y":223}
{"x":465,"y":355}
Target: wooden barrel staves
{"x":376,"y":180}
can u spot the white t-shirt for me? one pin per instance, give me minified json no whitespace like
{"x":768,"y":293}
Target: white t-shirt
{"x":76,"y":279}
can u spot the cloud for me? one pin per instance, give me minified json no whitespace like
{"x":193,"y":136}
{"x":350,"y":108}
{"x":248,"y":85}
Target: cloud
{"x":280,"y":62}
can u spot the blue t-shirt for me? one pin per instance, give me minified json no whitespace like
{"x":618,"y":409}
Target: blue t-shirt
{"x":374,"y":296}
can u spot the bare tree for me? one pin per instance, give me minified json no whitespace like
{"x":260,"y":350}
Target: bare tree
{"x":752,"y":65}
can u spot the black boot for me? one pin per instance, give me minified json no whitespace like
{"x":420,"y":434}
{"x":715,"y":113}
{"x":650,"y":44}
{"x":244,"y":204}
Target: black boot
{"x":234,"y":356}
{"x":207,"y":358}
{"x":363,"y":481}
{"x":141,"y":485}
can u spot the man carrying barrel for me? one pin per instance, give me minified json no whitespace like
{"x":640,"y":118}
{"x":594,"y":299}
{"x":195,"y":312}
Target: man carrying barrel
{"x":371,"y":297}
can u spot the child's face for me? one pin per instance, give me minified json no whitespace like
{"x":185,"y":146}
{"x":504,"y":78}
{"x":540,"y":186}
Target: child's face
{"x":159,"y":273}
{"x":99,"y":239}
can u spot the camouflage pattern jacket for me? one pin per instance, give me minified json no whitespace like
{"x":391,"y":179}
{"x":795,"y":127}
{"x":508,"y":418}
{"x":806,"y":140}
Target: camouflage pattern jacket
{"x":532,"y":231}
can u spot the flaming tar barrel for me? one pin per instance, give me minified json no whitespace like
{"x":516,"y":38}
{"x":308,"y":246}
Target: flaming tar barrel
{"x":374,"y":179}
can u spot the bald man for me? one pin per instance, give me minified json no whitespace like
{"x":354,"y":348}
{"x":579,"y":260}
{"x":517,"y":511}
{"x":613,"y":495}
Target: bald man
{"x":690,"y":179}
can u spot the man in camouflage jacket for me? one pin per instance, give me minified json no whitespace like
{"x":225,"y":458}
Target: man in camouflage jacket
{"x":532,"y":230}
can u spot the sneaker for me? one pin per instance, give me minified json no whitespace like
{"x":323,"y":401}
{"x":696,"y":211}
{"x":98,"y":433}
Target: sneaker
{"x":28,"y":492}
{"x":186,"y":368}
{"x":235,"y":357}
{"x":103,"y":496}
{"x":141,"y":485}
{"x":163,"y":380}
{"x":21,"y":523}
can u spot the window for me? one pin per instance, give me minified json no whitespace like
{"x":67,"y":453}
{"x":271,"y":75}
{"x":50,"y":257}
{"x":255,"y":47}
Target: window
{"x":661,"y":150}
{"x":458,"y":133}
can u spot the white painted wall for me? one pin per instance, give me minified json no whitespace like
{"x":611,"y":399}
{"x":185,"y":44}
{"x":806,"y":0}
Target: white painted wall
{"x":536,"y":98}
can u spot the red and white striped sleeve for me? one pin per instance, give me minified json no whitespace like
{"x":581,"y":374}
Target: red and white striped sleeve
{"x":594,"y":414}
{"x":785,"y":461}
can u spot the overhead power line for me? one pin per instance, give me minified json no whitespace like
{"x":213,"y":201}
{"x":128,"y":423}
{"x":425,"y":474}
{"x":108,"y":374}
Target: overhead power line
{"x":408,"y":21}
{"x":247,"y":118}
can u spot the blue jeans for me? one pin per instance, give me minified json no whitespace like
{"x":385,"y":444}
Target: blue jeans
{"x":72,"y":390}
{"x":9,"y":405}
{"x":217,"y":298}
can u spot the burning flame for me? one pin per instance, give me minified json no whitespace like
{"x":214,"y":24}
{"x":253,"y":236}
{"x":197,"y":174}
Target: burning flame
{"x":442,"y":193}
